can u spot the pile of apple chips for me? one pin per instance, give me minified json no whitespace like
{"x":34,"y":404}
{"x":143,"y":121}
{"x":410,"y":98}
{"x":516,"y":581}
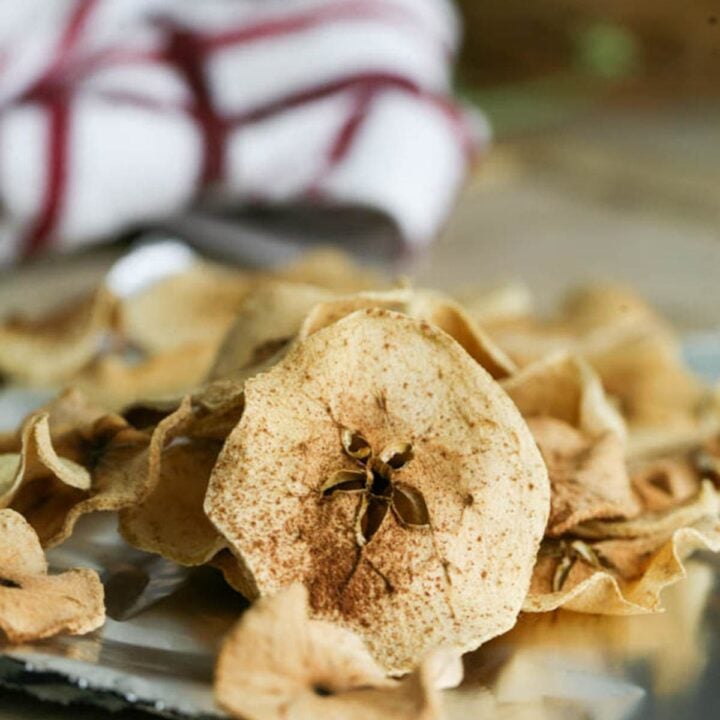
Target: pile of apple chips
{"x":389,"y":475}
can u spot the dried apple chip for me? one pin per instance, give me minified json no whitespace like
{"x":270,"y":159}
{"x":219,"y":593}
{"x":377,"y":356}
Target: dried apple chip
{"x":54,"y":347}
{"x":330,"y":268}
{"x":660,"y":399}
{"x":434,"y":540}
{"x":704,"y":504}
{"x":600,"y":308}
{"x":114,"y":383}
{"x":666,"y":482}
{"x":33,"y":604}
{"x":565,"y":387}
{"x":40,"y":462}
{"x":236,"y":574}
{"x":169,"y":519}
{"x":277,"y":663}
{"x":581,"y":438}
{"x":503,"y":303}
{"x":217,"y":408}
{"x":195,"y":307}
{"x":427,"y":305}
{"x":75,"y":459}
{"x":267,"y":321}
{"x":450,"y":317}
{"x":591,"y":320}
{"x":588,"y":476}
{"x":625,"y":572}
{"x":636,"y":356}
{"x":37,"y":457}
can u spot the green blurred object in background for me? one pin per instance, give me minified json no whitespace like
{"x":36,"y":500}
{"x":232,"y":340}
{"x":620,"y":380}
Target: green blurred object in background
{"x":608,"y":50}
{"x":532,"y":65}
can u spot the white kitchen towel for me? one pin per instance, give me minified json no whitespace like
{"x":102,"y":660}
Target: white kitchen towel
{"x":114,"y":113}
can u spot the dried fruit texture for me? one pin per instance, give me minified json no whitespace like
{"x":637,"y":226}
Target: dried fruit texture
{"x":267,"y":321}
{"x":114,"y":383}
{"x":192,"y":308}
{"x":636,"y":356}
{"x":276,"y":663}
{"x":217,"y":409}
{"x":661,"y":484}
{"x":588,"y":477}
{"x":39,"y":460}
{"x":432,"y":307}
{"x":624,"y":572}
{"x":591,"y":320}
{"x":169,"y":520}
{"x":432,"y":540}
{"x":501,"y":304}
{"x":580,"y":436}
{"x":74,"y":459}
{"x":236,"y":574}
{"x":333,"y":270}
{"x":33,"y":604}
{"x":659,"y":398}
{"x":703,"y":504}
{"x":54,"y":347}
{"x":566,"y":388}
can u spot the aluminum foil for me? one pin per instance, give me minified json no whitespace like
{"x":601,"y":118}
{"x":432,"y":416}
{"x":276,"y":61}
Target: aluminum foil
{"x":158,"y":647}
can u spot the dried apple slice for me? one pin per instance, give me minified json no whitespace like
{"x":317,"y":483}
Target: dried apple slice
{"x":33,"y":604}
{"x":276,"y":663}
{"x":625,"y":571}
{"x":581,"y":437}
{"x":474,"y":481}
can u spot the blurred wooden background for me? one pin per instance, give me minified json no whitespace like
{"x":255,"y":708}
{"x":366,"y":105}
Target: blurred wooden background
{"x":657,"y":45}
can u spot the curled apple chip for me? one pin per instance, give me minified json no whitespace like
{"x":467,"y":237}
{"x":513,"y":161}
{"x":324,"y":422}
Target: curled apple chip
{"x":74,"y":459}
{"x":33,"y":604}
{"x":427,"y":305}
{"x":115,"y":383}
{"x":268,"y":319}
{"x":53,"y":347}
{"x":169,"y":518}
{"x":608,"y":306}
{"x":665,"y":482}
{"x":379,"y":465}
{"x":34,"y":456}
{"x":500,"y":304}
{"x":590,"y":320}
{"x":649,"y":524}
{"x":581,"y":438}
{"x":195,"y":307}
{"x":587,"y":476}
{"x":277,"y":663}
{"x":621,"y":568}
{"x":565,"y":387}
{"x":236,"y":574}
{"x":332,"y":269}
{"x":664,"y":404}
{"x":634,"y":352}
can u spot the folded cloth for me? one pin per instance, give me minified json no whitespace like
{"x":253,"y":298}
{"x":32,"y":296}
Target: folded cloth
{"x":114,"y":113}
